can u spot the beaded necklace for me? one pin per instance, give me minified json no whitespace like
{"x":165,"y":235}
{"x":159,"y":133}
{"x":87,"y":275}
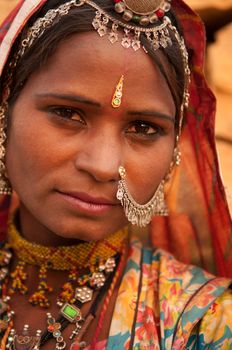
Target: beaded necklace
{"x":100,"y":261}
{"x":63,"y":257}
{"x":91,"y":257}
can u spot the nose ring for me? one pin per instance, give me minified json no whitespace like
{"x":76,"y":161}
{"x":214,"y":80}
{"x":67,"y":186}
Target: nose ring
{"x":140,"y":214}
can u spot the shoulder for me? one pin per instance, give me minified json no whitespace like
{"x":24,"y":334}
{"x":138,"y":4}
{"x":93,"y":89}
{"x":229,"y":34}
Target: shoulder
{"x":160,"y":295}
{"x":168,"y":269}
{"x":191,"y":283}
{"x":172,"y":270}
{"x":215,"y":327}
{"x":191,"y":299}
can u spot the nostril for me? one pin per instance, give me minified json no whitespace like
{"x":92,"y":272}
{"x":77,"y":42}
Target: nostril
{"x":99,"y":172}
{"x":101,"y":163}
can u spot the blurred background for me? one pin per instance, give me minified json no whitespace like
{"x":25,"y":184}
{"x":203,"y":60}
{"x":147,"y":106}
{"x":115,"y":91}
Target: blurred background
{"x":217,"y":15}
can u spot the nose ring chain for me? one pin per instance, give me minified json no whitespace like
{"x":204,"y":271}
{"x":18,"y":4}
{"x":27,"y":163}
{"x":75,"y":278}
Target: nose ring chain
{"x":140,"y":214}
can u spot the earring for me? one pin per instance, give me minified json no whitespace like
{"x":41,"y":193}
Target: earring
{"x":138,"y":214}
{"x":177,"y":154}
{"x":5,"y":187}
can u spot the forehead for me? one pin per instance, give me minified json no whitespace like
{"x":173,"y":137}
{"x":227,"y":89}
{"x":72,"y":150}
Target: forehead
{"x":93,"y":65}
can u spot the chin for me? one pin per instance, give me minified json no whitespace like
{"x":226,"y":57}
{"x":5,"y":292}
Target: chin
{"x":89,"y":231}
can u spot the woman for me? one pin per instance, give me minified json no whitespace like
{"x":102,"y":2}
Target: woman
{"x":94,"y":127}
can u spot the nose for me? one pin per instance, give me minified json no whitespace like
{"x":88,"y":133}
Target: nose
{"x":100,"y":157}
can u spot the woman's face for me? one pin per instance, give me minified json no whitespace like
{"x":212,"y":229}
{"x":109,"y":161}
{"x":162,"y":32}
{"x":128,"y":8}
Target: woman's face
{"x":66,"y":141}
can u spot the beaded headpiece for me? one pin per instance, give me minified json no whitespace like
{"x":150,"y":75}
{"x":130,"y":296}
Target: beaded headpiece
{"x":142,"y":12}
{"x":138,"y":17}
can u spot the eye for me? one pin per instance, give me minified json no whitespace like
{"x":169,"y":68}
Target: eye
{"x":144,"y":129}
{"x":68,"y":113}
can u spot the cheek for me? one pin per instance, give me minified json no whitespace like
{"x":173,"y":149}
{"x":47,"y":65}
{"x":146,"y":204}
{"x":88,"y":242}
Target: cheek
{"x":30,"y":151}
{"x":148,"y":168}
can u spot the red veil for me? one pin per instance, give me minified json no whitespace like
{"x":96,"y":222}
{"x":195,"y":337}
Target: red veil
{"x":198,"y":229}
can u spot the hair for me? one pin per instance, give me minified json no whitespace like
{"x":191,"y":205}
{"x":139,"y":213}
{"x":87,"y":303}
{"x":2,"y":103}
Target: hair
{"x":78,"y":20}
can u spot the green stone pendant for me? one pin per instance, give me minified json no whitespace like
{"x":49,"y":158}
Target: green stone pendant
{"x":71,"y":313}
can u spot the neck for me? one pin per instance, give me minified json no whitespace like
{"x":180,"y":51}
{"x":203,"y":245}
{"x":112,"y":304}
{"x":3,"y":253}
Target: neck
{"x":32,"y":230}
{"x":64,"y":257}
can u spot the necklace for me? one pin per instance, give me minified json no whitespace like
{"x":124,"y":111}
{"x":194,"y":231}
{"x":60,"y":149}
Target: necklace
{"x":69,"y":313}
{"x":63,"y":257}
{"x":85,"y":262}
{"x":99,"y":261}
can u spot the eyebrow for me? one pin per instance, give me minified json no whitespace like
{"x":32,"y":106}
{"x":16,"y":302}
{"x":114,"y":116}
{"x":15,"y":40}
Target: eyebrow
{"x":155,"y":114}
{"x":70,"y":97}
{"x":85,"y":100}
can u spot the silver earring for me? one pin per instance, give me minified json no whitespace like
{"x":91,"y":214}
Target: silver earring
{"x":138,"y":214}
{"x":5,"y":187}
{"x":177,"y":156}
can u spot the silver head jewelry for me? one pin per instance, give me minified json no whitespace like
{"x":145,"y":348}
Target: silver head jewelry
{"x":140,"y":214}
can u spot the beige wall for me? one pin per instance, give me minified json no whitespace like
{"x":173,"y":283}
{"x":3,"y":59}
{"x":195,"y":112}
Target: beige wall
{"x":5,"y":7}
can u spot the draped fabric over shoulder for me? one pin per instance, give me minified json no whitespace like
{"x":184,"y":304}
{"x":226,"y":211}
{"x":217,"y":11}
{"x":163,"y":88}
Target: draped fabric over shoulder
{"x":198,"y":229}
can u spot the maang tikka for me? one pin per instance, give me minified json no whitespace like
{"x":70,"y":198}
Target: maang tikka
{"x":117,"y":98}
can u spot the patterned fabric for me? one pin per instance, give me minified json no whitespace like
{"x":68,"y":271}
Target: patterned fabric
{"x":163,"y":304}
{"x":196,"y":198}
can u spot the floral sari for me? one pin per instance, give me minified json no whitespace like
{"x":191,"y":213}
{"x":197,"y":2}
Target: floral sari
{"x":163,"y":304}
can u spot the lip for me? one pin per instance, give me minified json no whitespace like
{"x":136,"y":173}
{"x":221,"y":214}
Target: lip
{"x":88,"y":204}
